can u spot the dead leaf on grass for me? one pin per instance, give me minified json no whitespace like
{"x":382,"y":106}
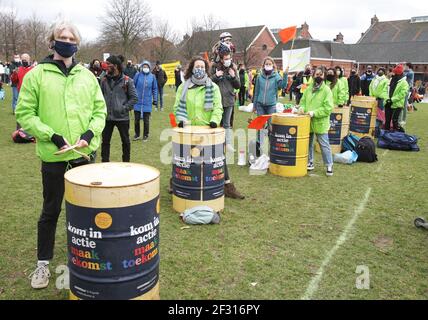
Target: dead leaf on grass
{"x":383,"y":243}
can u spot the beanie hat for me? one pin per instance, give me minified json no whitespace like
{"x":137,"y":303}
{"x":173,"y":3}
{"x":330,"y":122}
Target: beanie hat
{"x":399,"y":69}
{"x":115,"y":60}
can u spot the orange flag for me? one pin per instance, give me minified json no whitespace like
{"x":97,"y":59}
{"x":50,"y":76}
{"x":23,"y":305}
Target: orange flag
{"x":288,"y":34}
{"x":206,"y":57}
{"x":172,"y":120}
{"x":259,"y":122}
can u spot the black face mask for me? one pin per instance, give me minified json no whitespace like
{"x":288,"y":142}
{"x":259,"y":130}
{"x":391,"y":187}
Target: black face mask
{"x":330,"y":77}
{"x":380,"y":74}
{"x":369,"y":72}
{"x":318,"y":80}
{"x":65,"y":49}
{"x":354,"y":72}
{"x":25,"y":64}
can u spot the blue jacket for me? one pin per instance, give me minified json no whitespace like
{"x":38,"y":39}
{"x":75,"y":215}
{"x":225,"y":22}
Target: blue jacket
{"x":147,"y":91}
{"x":266,"y":91}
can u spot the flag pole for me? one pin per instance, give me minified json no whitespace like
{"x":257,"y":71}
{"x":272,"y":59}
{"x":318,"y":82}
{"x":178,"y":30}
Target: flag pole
{"x":291,"y":51}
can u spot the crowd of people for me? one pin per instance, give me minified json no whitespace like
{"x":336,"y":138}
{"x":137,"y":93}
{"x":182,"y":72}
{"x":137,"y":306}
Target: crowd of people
{"x":101,"y":96}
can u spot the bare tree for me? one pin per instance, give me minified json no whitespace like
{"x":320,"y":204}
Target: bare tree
{"x":243,"y":41}
{"x":10,"y":29}
{"x":126,"y":22}
{"x":165,"y":48}
{"x":210,"y":25}
{"x":34,"y":33}
{"x":189,"y":47}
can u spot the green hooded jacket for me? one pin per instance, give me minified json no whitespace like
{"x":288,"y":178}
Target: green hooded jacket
{"x":195,"y":101}
{"x":379,"y":87}
{"x":337,"y":92}
{"x":344,"y":93}
{"x":400,"y":94}
{"x":52,"y":103}
{"x":321,"y":103}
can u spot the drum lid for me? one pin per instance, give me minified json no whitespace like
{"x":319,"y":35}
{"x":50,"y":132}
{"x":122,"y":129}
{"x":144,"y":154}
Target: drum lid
{"x":112,"y":174}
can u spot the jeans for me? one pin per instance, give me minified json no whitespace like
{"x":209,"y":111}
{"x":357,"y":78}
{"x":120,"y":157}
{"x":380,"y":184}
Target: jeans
{"x":160,"y":95}
{"x":146,"y":120}
{"x":53,"y":194}
{"x":403,"y":115}
{"x":15,"y":94}
{"x":393,"y":114}
{"x":123,"y":127}
{"x":262,"y":110}
{"x":325,"y":148}
{"x":242,"y":96}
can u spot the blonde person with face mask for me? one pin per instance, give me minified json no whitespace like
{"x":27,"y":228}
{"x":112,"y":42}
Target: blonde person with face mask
{"x":267,"y":85}
{"x":61,"y":104}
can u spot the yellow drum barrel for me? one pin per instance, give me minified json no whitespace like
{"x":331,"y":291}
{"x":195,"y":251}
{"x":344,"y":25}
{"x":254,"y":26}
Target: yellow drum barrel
{"x":363,"y":116}
{"x":339,"y":129}
{"x":289,"y":144}
{"x":113,"y":231}
{"x":198,"y":168}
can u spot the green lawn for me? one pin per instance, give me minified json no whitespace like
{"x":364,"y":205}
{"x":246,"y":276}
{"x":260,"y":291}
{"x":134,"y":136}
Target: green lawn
{"x":269,"y":246}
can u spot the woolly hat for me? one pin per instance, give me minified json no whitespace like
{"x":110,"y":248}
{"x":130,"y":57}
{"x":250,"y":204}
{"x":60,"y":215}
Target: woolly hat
{"x":115,"y":60}
{"x":399,"y":69}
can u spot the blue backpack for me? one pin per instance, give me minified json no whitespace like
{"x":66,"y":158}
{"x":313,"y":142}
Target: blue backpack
{"x":397,"y":141}
{"x":350,"y":142}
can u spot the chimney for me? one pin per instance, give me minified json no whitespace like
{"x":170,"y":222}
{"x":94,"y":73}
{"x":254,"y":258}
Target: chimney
{"x":339,"y":38}
{"x":305,"y":31}
{"x":374,"y":20}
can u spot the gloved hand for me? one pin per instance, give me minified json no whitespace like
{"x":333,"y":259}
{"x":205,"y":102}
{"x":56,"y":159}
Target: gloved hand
{"x":389,"y":101}
{"x":213,"y":125}
{"x":181,"y":124}
{"x":340,"y":105}
{"x":311,"y":114}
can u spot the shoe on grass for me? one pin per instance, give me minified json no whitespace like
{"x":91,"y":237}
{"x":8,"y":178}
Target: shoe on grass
{"x":329,"y":171}
{"x":146,"y":138}
{"x":231,"y":192}
{"x":40,"y":277}
{"x":311,"y":166}
{"x":136,"y":138}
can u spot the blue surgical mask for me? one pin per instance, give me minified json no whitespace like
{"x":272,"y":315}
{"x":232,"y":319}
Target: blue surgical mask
{"x":199,"y":73}
{"x":65,"y":49}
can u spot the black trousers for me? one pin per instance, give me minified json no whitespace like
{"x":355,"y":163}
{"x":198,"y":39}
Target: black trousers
{"x":146,"y":120}
{"x":53,"y":194}
{"x":242,"y":96}
{"x":393,"y":114}
{"x":123,"y":127}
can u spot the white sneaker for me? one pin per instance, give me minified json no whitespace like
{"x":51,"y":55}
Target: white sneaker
{"x":329,"y":171}
{"x":311,"y":166}
{"x":40,"y":277}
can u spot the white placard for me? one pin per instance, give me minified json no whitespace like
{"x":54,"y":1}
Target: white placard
{"x":298,"y":59}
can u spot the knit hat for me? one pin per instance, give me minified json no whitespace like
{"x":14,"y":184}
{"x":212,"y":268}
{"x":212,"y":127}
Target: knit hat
{"x":399,"y":69}
{"x":115,"y":60}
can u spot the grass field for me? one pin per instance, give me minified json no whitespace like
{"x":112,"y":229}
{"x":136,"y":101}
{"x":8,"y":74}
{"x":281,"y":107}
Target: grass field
{"x":289,"y":239}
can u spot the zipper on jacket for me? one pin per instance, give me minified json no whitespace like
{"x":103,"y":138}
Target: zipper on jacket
{"x":266,"y":88}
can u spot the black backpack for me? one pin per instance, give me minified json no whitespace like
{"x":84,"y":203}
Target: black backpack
{"x":366,"y":150}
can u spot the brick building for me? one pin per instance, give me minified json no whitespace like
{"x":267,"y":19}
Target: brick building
{"x":253,"y":44}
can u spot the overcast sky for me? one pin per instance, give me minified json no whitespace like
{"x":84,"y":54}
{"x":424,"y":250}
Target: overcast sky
{"x":326,"y":18}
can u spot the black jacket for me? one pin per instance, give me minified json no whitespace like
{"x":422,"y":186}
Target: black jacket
{"x":120,"y":96}
{"x":161,"y":77}
{"x":227,"y":84}
{"x":354,"y":84}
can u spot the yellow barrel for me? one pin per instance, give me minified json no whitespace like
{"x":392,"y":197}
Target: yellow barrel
{"x":363,"y":116}
{"x":289,"y":144}
{"x":339,"y":129}
{"x":198,"y":168}
{"x":113,"y":231}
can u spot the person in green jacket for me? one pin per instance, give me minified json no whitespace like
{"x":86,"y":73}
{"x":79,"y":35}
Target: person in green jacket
{"x":344,"y":87}
{"x":198,"y":103}
{"x":398,"y":90}
{"x":61,"y":104}
{"x":335,"y":86}
{"x":317,"y":101}
{"x":379,"y":89}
